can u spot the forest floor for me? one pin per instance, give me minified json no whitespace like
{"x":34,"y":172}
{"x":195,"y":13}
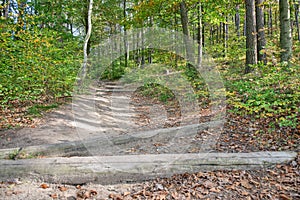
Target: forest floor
{"x":239,"y":134}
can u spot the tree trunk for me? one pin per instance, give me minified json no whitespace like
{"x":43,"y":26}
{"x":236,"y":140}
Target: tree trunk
{"x":291,"y":21}
{"x":285,"y":31}
{"x":270,"y":22}
{"x":2,"y":11}
{"x":150,"y":50}
{"x":5,"y":8}
{"x":200,"y":36}
{"x":261,"y":39}
{"x":251,"y":39}
{"x":217,"y":34}
{"x":86,"y":19}
{"x":176,"y":38}
{"x":143,"y":47}
{"x":203,"y":32}
{"x":86,"y":47}
{"x":237,"y":20}
{"x":297,"y":20}
{"x":125,"y":36}
{"x":184,"y":18}
{"x":211,"y":35}
{"x":185,"y":30}
{"x":225,"y":36}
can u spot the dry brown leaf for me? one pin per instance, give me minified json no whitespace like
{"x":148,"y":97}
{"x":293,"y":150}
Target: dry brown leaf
{"x":174,"y":194}
{"x":9,"y":193}
{"x":246,"y":184}
{"x":231,"y":187}
{"x":245,"y":193}
{"x":54,"y":196}
{"x":208,"y":184}
{"x":83,"y":193}
{"x":217,"y":190}
{"x":44,"y":186}
{"x":93,"y":192}
{"x":115,"y":196}
{"x":126,"y":194}
{"x":78,"y":186}
{"x":62,"y":188}
{"x":284,"y":197}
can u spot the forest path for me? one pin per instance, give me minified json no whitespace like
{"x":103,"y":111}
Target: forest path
{"x":109,"y":112}
{"x":163,"y":148}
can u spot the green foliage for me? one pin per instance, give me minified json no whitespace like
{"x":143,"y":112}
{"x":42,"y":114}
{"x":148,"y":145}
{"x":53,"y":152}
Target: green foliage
{"x":157,"y":91}
{"x":13,"y":155}
{"x":36,"y":110}
{"x":270,"y":91}
{"x":36,"y":63}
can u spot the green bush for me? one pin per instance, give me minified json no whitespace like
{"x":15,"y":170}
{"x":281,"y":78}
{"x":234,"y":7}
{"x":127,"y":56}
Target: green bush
{"x":270,"y":91}
{"x":36,"y":63}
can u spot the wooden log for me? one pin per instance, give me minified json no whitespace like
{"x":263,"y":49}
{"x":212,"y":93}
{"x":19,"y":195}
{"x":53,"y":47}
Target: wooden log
{"x":132,"y":168}
{"x":103,"y":145}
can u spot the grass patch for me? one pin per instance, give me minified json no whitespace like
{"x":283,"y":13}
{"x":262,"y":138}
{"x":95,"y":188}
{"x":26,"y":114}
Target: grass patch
{"x":37,"y":110}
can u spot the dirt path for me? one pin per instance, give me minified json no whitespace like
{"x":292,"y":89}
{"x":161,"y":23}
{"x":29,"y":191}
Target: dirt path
{"x":103,"y":114}
{"x":111,"y":111}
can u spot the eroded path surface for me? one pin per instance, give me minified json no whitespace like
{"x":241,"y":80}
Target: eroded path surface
{"x":111,"y":110}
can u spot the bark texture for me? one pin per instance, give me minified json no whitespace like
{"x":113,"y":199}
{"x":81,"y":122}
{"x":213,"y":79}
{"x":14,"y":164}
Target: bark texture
{"x":251,"y":39}
{"x":285,"y":31}
{"x":261,"y":39}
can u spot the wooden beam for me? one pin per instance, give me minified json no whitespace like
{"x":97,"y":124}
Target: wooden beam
{"x":132,"y":168}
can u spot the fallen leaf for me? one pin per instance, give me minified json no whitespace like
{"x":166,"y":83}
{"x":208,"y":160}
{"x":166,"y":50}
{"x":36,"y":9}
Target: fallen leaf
{"x":217,"y":190}
{"x":115,"y":196}
{"x":9,"y":193}
{"x":78,"y":186}
{"x":126,"y":194}
{"x":284,"y":197}
{"x":83,"y":193}
{"x":93,"y":192}
{"x":53,"y":196}
{"x":62,"y":188}
{"x":246,"y":184}
{"x":44,"y":186}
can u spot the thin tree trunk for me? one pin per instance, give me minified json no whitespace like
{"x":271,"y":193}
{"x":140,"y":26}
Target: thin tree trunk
{"x":291,"y":21}
{"x":251,"y":39}
{"x":270,"y":22}
{"x":245,"y":26}
{"x":125,"y":36}
{"x":2,"y":11}
{"x":211,"y":35}
{"x":297,"y":20}
{"x":6,"y":8}
{"x":185,"y":29}
{"x":237,"y":20}
{"x":285,"y":31}
{"x":203,"y":31}
{"x":200,"y":36}
{"x":221,"y":31}
{"x":86,"y":50}
{"x":225,"y":35}
{"x":217,"y":34}
{"x":87,"y":26}
{"x":261,"y":39}
{"x":176,"y":38}
{"x":150,"y":50}
{"x":143,"y":46}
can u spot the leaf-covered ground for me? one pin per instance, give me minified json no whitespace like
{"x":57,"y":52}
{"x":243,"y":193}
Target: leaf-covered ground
{"x":280,"y":182}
